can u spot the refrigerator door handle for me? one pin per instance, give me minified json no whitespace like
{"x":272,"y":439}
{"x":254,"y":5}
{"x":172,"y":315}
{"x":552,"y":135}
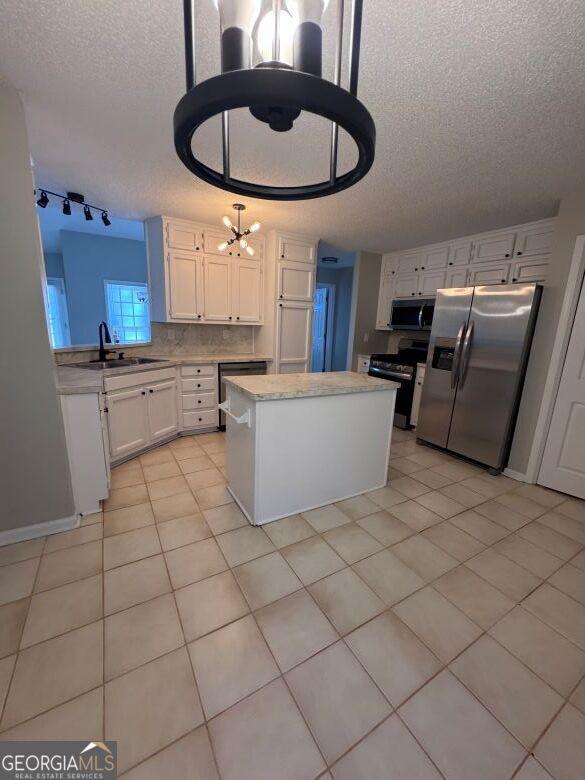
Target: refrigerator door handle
{"x":420,"y":316}
{"x":457,"y":355}
{"x":465,"y":352}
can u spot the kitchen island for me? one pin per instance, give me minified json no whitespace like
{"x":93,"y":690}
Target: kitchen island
{"x":300,"y":441}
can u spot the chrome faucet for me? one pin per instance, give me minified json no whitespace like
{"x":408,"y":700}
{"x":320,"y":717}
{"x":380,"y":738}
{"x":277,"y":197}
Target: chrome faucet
{"x":103,"y":333}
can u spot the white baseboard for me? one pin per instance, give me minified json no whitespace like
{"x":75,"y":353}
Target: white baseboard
{"x":26,"y":532}
{"x":517,"y":475}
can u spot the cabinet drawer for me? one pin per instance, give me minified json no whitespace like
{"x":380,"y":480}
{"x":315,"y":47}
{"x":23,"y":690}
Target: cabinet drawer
{"x":139,"y":378}
{"x":198,"y":385}
{"x":209,"y":370}
{"x":202,"y":419}
{"x":198,"y":401}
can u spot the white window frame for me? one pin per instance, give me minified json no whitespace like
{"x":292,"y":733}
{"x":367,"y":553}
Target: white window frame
{"x":58,"y":283}
{"x":109,"y":313}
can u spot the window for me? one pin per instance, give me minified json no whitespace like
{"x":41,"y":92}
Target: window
{"x":57,"y":316}
{"x":128,"y":312}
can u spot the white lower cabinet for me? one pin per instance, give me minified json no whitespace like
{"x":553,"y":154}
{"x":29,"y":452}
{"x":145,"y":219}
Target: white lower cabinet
{"x":163,"y":418}
{"x":127,"y":421}
{"x":140,"y":415}
{"x":199,"y":386}
{"x":417,"y":395}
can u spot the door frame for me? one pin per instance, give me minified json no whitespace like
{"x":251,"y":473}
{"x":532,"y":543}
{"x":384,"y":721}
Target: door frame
{"x":575,"y":281}
{"x":330,"y":330}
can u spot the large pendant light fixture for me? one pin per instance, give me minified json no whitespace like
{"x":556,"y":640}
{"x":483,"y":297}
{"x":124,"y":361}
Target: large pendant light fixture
{"x":271,"y":61}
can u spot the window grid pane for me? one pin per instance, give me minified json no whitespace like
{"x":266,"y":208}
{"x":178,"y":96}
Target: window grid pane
{"x":128,"y":312}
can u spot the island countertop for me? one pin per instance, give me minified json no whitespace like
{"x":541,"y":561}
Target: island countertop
{"x":271,"y":387}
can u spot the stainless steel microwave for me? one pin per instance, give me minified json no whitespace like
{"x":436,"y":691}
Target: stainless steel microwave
{"x":412,"y":315}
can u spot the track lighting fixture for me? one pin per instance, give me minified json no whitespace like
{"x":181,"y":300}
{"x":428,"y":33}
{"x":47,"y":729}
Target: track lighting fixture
{"x":239,"y":234}
{"x":43,"y":200}
{"x":68,"y":199}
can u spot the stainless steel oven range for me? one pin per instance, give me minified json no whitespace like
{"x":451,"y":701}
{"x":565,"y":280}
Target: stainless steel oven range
{"x":401,"y":367}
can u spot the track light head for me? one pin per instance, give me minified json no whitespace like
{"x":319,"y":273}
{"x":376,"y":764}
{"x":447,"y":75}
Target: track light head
{"x":105,"y":219}
{"x":43,"y":200}
{"x":87,"y":213}
{"x":67,"y":207}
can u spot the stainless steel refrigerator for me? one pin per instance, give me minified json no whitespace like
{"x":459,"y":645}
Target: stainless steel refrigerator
{"x":478,"y":351}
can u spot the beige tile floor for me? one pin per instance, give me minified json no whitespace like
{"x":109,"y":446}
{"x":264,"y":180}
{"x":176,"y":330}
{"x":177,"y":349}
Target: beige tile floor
{"x":435,"y":627}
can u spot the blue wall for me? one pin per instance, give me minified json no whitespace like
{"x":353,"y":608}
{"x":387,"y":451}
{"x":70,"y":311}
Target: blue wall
{"x":54,"y":264}
{"x":88,"y":260}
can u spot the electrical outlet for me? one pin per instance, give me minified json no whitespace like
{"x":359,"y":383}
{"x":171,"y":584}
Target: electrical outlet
{"x":225,"y":334}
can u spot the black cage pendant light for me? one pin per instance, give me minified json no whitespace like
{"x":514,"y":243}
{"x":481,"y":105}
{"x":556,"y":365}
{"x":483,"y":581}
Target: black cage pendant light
{"x":271,"y":61}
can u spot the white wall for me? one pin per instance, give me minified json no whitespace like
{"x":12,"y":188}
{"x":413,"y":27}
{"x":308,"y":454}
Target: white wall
{"x":366,"y":338}
{"x":35,"y":484}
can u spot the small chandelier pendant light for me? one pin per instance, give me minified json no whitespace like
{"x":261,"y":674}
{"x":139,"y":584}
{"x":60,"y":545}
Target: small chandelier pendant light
{"x":271,"y":61}
{"x":239,"y":235}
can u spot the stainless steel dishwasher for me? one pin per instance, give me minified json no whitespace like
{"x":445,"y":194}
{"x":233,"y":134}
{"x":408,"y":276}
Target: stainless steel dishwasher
{"x":236,"y":369}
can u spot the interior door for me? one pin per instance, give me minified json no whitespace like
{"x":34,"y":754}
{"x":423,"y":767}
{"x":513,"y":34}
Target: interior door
{"x":438,"y":393}
{"x":218,"y":292}
{"x":563,"y":465}
{"x":493,"y":358}
{"x":319,"y":329}
{"x":163,"y":416}
{"x":127,"y":421}
{"x":293,"y":337}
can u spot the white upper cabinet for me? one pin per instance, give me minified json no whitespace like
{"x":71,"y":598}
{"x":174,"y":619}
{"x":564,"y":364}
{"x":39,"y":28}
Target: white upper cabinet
{"x":490,"y":273}
{"x":293,"y":337}
{"x":185,"y":285}
{"x":408,"y":262}
{"x":247,"y":291}
{"x":456,"y":277}
{"x":531,"y":269}
{"x":460,"y":253}
{"x":293,"y":248}
{"x":183,"y":235}
{"x":295,"y":282}
{"x":535,"y":240}
{"x":405,"y":285}
{"x":385,"y":302}
{"x":218,"y":291}
{"x":431,"y":281}
{"x":493,"y":246}
{"x":434,"y":257}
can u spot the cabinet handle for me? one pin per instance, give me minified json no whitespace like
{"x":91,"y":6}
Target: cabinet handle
{"x":282,"y":255}
{"x":151,"y":390}
{"x":230,"y":318}
{"x":144,"y":392}
{"x":281,"y":296}
{"x":422,"y":268}
{"x":200,"y":419}
{"x":514,"y":279}
{"x":450,"y":263}
{"x":420,"y":293}
{"x":416,"y":269}
{"x":280,"y":304}
{"x":393,"y":272}
{"x":196,"y":248}
{"x":518,"y":253}
{"x":198,"y":384}
{"x":503,"y":281}
{"x":198,"y":370}
{"x":198,"y":316}
{"x":198,"y":402}
{"x":237,"y":318}
{"x":413,"y":293}
{"x":508,"y":255}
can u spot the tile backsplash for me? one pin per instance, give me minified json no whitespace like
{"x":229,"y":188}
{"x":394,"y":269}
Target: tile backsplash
{"x":173,"y":339}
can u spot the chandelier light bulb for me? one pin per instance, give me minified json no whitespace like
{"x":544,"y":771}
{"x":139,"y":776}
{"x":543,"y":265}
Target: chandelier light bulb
{"x":250,"y":251}
{"x":243,"y":243}
{"x":254,"y":227}
{"x":223,"y":246}
{"x":227,"y":222}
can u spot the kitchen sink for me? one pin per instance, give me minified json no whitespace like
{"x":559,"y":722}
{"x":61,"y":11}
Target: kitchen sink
{"x":99,"y":365}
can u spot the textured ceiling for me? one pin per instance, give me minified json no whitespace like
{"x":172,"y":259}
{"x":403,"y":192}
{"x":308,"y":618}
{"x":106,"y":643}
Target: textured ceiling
{"x":479,"y":108}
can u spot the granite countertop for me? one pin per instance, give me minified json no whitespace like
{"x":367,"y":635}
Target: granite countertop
{"x":272,"y":387}
{"x":72,"y":379}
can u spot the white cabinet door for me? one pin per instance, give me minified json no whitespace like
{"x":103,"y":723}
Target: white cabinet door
{"x":296,"y":281}
{"x":495,"y":246}
{"x":456,"y":277}
{"x":409,"y":261}
{"x":460,"y":253}
{"x":431,"y":281}
{"x":418,"y":387}
{"x":434,"y":258}
{"x":293,"y":337}
{"x":385,"y":296}
{"x":163,"y":416}
{"x":491,"y":273}
{"x":247,"y":291}
{"x":185,"y":285}
{"x":217,"y":289}
{"x":530,"y":270}
{"x":405,"y":285}
{"x":534,"y":241}
{"x":290,"y":248}
{"x":182,"y":235}
{"x":127,"y":421}
{"x":213,"y":238}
